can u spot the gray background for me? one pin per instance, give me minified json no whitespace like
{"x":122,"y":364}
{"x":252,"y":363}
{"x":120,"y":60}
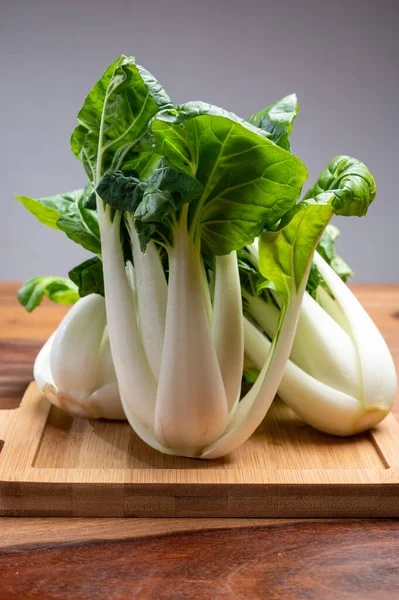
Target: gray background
{"x":340,"y":57}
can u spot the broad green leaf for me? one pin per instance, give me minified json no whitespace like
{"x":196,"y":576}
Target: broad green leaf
{"x":248,"y":181}
{"x":67,"y":213}
{"x":88,"y":277}
{"x":351,"y":183}
{"x":277,"y":120}
{"x":113,"y":121}
{"x":58,"y":289}
{"x":285,"y":255}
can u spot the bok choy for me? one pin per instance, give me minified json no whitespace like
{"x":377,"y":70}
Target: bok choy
{"x":175,"y":199}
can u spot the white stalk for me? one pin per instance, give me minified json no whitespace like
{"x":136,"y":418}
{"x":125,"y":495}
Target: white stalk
{"x":106,"y":370}
{"x":331,"y":306}
{"x":42,"y":368}
{"x":152,"y":292}
{"x":227,"y":325}
{"x":137,"y":385}
{"x":75,"y":354}
{"x":321,"y":347}
{"x":75,"y":349}
{"x":324,"y":350}
{"x":378,"y":375}
{"x":254,"y":406}
{"x":105,"y":402}
{"x":191,"y":406}
{"x":321,"y":406}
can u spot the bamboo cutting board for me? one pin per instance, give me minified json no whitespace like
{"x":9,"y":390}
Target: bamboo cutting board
{"x":54,"y":465}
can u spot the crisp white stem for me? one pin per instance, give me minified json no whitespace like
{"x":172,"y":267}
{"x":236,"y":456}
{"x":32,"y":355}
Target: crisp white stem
{"x":75,"y":348}
{"x":106,"y":370}
{"x":324,"y":350}
{"x":152,"y":292}
{"x":42,"y":368}
{"x":331,"y":306}
{"x":227,"y":325}
{"x":191,"y":406}
{"x":137,"y":385}
{"x":318,"y":404}
{"x":377,"y":368}
{"x":321,"y":347}
{"x":105,"y":402}
{"x":254,"y":406}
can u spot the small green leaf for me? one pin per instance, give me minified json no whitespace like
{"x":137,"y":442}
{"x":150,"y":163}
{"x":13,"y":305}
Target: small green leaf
{"x":326,"y":249}
{"x":58,"y":289}
{"x":67,"y":213}
{"x":277,"y":120}
{"x":314,"y":280}
{"x":351,"y":184}
{"x":341,"y":268}
{"x":121,"y":190}
{"x":166,"y":193}
{"x":88,"y":277}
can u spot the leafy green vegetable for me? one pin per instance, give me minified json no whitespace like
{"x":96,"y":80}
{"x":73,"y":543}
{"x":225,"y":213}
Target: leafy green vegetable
{"x":67,"y":213}
{"x":277,"y":120}
{"x":351,"y":184}
{"x":57,"y":289}
{"x":88,"y":277}
{"x":179,"y":190}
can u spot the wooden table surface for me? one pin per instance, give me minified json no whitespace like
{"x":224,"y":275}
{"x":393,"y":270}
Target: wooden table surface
{"x":193,"y":559}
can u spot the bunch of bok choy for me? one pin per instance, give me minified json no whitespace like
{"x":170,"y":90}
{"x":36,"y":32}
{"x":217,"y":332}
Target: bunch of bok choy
{"x":204,"y":248}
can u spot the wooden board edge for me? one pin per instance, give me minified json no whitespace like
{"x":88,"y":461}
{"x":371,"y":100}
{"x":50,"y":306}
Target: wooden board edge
{"x":283,"y":501}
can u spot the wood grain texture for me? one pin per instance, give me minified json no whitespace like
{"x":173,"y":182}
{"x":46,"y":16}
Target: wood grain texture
{"x":312,"y":561}
{"x":74,"y":467}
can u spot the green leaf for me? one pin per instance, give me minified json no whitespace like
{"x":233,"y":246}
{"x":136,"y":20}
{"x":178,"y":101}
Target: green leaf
{"x":88,"y":277}
{"x":144,"y":164}
{"x":326,"y":249}
{"x":341,"y":268}
{"x":248,"y":181}
{"x":58,"y":289}
{"x":277,"y":120}
{"x":314,"y":280}
{"x":67,"y":213}
{"x":285,"y":255}
{"x":166,"y":193}
{"x":121,"y":190}
{"x":351,"y":183}
{"x":326,"y":246}
{"x":114,"y":119}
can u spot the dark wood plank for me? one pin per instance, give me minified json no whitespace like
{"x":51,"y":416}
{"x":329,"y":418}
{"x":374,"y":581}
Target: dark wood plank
{"x":329,"y":560}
